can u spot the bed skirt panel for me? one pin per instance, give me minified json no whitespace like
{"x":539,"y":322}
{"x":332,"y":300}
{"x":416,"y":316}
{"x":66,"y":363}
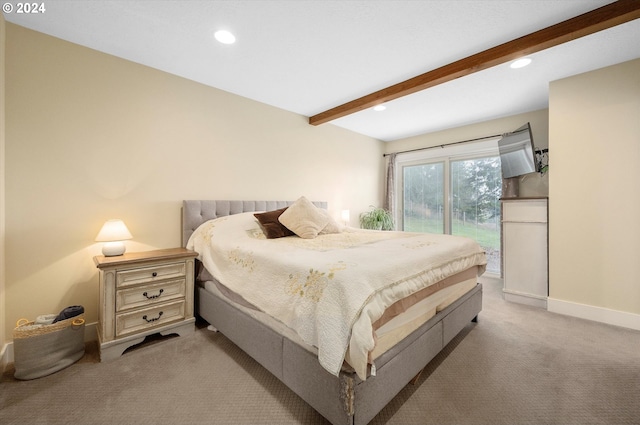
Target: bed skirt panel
{"x":326,"y":393}
{"x":460,"y":316}
{"x":254,"y":338}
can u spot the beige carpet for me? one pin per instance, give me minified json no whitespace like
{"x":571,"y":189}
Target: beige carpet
{"x":518,"y":365}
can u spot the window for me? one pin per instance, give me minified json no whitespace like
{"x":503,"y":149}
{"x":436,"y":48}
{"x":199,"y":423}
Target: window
{"x":453,"y":191}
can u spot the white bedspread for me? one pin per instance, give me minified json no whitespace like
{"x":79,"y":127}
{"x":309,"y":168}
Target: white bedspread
{"x":332,"y":288}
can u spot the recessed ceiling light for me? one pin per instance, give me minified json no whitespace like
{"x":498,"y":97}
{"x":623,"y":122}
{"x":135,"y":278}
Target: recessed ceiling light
{"x":225,"y":37}
{"x":379,"y":108}
{"x":519,"y":63}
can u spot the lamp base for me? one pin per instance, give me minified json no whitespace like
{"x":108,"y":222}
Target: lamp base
{"x":112,"y":249}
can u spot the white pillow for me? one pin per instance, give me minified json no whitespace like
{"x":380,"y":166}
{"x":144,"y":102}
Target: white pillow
{"x":304,"y":219}
{"x":332,"y":226}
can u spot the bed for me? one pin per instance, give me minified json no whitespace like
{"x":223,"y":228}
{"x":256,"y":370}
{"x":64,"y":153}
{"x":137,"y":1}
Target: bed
{"x":349,"y":393}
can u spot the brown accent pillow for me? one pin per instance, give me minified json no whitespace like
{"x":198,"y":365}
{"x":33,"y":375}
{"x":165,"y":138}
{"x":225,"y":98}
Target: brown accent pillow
{"x":271,"y":227}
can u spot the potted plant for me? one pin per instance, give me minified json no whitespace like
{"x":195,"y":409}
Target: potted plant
{"x":376,"y":219}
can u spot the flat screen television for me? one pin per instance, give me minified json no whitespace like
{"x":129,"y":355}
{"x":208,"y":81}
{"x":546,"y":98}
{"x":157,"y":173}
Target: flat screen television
{"x":517,"y":153}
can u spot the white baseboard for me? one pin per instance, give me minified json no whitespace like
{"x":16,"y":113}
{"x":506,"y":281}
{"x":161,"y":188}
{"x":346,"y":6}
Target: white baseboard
{"x":597,"y":314}
{"x":6,"y":355}
{"x":528,"y":299}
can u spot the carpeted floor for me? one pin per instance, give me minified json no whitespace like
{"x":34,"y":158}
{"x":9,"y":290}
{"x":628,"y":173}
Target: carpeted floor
{"x":518,"y":365}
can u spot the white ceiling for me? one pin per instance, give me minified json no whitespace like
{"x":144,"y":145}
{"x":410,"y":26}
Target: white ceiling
{"x":309,"y":56}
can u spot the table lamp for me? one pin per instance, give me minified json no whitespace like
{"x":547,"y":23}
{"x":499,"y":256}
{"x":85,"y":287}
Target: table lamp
{"x":113,"y":233}
{"x":345,"y":217}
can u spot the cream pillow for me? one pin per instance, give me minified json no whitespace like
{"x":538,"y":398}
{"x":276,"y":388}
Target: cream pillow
{"x":304,"y":219}
{"x":332,"y":226}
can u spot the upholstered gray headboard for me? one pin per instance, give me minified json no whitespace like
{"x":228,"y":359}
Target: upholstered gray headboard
{"x":194,"y":213}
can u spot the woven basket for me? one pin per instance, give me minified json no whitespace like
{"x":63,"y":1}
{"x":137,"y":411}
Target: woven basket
{"x":40,"y":350}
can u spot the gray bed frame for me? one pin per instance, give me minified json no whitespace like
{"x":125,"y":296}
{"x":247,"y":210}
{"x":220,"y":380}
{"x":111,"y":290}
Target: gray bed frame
{"x":344,"y":399}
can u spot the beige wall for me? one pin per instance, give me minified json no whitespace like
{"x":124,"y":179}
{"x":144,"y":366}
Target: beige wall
{"x":531,"y":184}
{"x":92,"y":137}
{"x":594,"y":128}
{"x":3,"y":335}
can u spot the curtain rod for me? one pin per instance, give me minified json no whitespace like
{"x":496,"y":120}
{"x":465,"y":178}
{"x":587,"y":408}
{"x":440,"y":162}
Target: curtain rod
{"x":446,"y":144}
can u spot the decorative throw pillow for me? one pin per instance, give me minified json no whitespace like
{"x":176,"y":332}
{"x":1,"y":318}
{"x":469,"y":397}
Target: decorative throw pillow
{"x":304,"y":219}
{"x":271,"y":227}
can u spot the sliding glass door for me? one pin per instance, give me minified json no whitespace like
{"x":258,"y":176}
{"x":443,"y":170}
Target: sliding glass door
{"x":454,"y":195}
{"x":476,"y":187}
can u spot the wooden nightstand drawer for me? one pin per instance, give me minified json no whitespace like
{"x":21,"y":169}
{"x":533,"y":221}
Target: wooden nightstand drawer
{"x":141,"y":319}
{"x":139,"y":296}
{"x":149,"y":274}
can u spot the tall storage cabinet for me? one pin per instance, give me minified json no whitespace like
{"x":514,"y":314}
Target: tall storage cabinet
{"x":525,"y":250}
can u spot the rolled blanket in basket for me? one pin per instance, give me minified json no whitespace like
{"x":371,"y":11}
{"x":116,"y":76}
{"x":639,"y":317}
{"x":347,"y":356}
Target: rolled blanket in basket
{"x":69,"y":312}
{"x":46,"y":319}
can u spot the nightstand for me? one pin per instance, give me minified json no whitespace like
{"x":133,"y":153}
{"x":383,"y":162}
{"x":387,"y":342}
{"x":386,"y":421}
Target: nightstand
{"x":144,"y":293}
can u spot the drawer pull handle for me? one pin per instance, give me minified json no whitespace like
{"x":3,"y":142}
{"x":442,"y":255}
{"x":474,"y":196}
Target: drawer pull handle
{"x":150,"y":297}
{"x":154,"y":274}
{"x":153,"y":319}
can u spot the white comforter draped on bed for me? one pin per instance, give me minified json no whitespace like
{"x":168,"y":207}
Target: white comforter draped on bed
{"x":332,"y":288}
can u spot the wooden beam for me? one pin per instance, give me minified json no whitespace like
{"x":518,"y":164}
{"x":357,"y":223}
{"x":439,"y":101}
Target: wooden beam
{"x":588,"y":23}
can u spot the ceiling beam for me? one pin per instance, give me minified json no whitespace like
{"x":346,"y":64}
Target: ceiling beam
{"x":588,"y":23}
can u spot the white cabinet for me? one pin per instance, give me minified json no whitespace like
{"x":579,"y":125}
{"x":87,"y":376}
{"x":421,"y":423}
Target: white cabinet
{"x":525,"y":262}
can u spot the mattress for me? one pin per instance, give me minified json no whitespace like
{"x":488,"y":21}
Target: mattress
{"x":402,"y":325}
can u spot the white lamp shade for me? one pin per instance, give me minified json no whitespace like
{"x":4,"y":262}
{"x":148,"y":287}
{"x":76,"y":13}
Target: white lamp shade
{"x":113,"y":232}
